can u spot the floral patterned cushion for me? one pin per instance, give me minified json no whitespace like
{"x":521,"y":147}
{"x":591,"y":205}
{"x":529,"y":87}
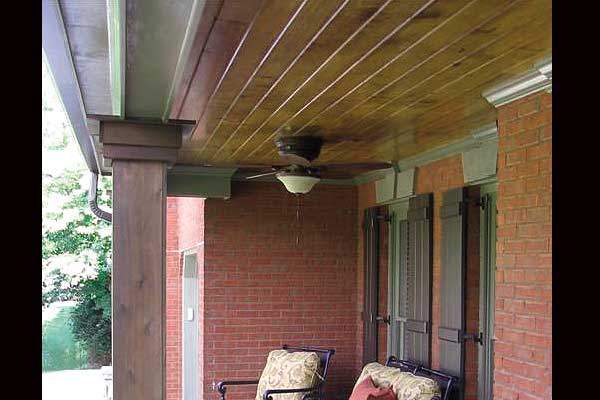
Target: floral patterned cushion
{"x":288,"y":370}
{"x":406,"y":385}
{"x":382,"y":376}
{"x":411,"y":387}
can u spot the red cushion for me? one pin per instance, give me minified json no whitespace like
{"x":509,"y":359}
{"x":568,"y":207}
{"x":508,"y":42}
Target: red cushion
{"x":366,"y":390}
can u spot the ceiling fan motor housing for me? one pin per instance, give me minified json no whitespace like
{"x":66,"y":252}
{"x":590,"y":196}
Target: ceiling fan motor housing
{"x":305,"y":147}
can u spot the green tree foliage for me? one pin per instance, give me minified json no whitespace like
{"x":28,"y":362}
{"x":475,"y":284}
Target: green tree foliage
{"x":76,"y":245}
{"x":76,"y":250}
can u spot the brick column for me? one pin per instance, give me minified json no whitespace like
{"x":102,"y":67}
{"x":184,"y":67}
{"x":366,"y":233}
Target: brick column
{"x":523,"y":346}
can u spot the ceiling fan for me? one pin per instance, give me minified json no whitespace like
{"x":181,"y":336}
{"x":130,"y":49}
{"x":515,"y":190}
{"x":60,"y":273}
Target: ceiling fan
{"x":300,"y":176}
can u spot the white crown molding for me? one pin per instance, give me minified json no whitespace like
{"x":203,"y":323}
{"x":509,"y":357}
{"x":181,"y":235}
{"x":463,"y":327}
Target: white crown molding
{"x":540,"y":79}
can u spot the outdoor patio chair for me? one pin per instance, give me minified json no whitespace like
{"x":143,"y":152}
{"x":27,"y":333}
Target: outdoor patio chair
{"x":443,"y":383}
{"x":314,"y":392}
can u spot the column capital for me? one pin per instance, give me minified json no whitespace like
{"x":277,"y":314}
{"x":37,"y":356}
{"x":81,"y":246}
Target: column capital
{"x":136,"y":140}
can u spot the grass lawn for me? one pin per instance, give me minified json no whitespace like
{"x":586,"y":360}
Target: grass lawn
{"x":59,"y":349}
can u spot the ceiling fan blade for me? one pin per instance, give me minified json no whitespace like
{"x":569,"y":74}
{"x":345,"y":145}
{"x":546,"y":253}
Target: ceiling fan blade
{"x":253,"y":166}
{"x":261,"y":175}
{"x":362,"y":166}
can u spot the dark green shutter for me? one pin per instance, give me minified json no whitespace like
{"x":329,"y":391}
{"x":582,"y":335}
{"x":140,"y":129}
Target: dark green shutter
{"x":487,"y":281}
{"x":371,"y":263}
{"x":452,"y":301}
{"x":417,"y":336}
{"x":398,"y":257}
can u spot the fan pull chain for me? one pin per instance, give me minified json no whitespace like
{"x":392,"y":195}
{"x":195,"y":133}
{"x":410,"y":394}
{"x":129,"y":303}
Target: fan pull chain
{"x":298,"y":226}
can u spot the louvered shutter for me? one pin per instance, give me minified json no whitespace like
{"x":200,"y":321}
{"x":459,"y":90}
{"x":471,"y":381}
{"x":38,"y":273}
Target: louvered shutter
{"x":371,"y":263}
{"x":398,"y":256}
{"x":417,"y":336}
{"x":453,"y":290}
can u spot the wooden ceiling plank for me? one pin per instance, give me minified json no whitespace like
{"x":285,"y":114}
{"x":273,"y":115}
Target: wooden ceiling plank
{"x":381,"y":94}
{"x":440,"y":137}
{"x":450,"y":54}
{"x":374,"y":33}
{"x":490,"y":55}
{"x":321,"y":18}
{"x":418,"y":12}
{"x":445,"y":114}
{"x":447,"y":124}
{"x":419,"y":122}
{"x":454,"y":62}
{"x":302,"y":28}
{"x":425,"y":81}
{"x":402,"y":145}
{"x":221,"y":50}
{"x":211,"y":133}
{"x":402,"y":63}
{"x":463,"y":22}
{"x":263,"y":36}
{"x":347,"y":26}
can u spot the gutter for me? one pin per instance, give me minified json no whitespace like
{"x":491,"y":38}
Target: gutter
{"x":93,"y":199}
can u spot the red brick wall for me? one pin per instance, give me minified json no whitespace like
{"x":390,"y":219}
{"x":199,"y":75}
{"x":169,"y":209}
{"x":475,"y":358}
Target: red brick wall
{"x":262,"y":290}
{"x":173,"y":304}
{"x":523,"y":348}
{"x":185,"y":232}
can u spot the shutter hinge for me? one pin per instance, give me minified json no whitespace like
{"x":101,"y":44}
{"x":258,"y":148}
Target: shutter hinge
{"x":476,"y":337}
{"x":480,"y":202}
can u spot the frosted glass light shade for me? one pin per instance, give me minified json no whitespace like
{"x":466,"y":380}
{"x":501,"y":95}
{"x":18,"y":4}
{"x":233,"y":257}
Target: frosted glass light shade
{"x":298,"y":184}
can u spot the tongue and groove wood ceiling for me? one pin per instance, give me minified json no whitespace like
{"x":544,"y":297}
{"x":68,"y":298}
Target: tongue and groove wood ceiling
{"x":379,"y":80}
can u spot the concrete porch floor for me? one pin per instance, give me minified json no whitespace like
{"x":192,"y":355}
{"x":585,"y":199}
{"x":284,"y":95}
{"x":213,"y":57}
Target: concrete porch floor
{"x":73,"y":385}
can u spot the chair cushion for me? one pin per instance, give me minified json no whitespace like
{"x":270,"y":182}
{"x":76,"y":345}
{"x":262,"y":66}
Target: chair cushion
{"x":288,"y":370}
{"x":382,"y":376}
{"x":408,"y":386}
{"x":366,"y":390}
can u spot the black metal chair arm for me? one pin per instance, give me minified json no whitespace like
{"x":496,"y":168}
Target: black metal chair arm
{"x":310,"y":391}
{"x":221,"y":386}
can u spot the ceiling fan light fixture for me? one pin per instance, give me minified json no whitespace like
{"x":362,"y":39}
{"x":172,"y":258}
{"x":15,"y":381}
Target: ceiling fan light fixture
{"x":298,"y":183}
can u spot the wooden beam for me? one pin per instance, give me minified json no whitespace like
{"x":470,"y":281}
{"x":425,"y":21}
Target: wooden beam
{"x":116,"y":17}
{"x":60,"y":62}
{"x":202,"y":182}
{"x":138,"y":280}
{"x":128,"y":140}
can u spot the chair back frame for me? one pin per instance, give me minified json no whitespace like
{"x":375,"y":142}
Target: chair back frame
{"x":444,"y":380}
{"x":313,"y":393}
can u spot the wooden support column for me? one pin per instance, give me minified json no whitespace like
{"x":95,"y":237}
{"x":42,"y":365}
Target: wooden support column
{"x":139,"y":266}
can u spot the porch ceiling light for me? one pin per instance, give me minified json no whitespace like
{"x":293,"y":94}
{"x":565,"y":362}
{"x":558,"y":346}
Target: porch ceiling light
{"x":297,"y":183}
